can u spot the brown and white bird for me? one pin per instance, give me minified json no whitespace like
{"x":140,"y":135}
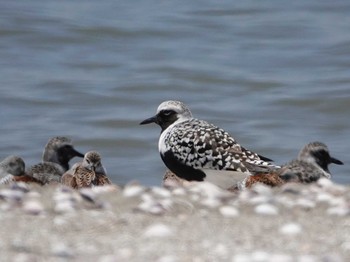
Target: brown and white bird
{"x":88,"y":173}
{"x":55,"y":160}
{"x":12,"y":169}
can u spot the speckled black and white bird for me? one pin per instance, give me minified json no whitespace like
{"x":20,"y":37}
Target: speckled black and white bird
{"x":196,"y":150}
{"x":311,"y":164}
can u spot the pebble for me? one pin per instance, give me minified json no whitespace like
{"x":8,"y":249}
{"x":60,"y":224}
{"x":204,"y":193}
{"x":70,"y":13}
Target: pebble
{"x":260,"y":199}
{"x":161,"y":192}
{"x":150,"y":205}
{"x":324,"y":182}
{"x":25,"y":257}
{"x":61,"y":250}
{"x":158,"y":230}
{"x":65,"y":194}
{"x":179,"y":191}
{"x":290,"y":229}
{"x":220,"y":250}
{"x":307,"y":258}
{"x":20,"y":186}
{"x":245,"y":195}
{"x":266,"y":209}
{"x":105,"y":189}
{"x":346,"y":246}
{"x":262,"y":189}
{"x":167,"y":258}
{"x":241,"y":258}
{"x":64,"y":207}
{"x":33,"y":207}
{"x":338,"y":211}
{"x":324,"y":197}
{"x":260,"y":256}
{"x":133,"y":190}
{"x":12,"y":195}
{"x":88,"y":194}
{"x":305,"y":203}
{"x":281,"y":258}
{"x":209,"y":190}
{"x":208,"y":194}
{"x":211,"y":202}
{"x":229,"y":211}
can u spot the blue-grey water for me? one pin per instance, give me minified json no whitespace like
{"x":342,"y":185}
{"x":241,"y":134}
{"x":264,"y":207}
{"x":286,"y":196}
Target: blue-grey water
{"x":274,"y":74}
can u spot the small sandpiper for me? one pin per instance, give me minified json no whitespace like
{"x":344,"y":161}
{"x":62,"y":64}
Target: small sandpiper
{"x":196,"y":150}
{"x":55,"y":160}
{"x":311,"y":165}
{"x":12,"y":169}
{"x":88,"y":173}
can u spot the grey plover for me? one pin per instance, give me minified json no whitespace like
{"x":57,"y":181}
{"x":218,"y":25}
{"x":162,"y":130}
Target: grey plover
{"x":12,"y":169}
{"x":196,"y":150}
{"x":90,"y":172}
{"x":55,"y":160}
{"x":311,"y":164}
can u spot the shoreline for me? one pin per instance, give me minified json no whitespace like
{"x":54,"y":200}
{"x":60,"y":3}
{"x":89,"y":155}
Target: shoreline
{"x":198,"y":222}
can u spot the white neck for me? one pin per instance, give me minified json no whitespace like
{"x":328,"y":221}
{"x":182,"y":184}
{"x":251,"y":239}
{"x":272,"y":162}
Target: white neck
{"x":161,"y":143}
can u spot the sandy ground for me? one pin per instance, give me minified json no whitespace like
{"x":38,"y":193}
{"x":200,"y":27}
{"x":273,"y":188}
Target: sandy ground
{"x":197,"y":223}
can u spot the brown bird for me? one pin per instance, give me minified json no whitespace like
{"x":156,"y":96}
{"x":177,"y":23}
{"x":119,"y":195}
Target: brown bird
{"x":88,"y":173}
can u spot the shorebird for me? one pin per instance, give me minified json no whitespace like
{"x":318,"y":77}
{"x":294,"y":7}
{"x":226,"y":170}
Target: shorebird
{"x":196,"y":150}
{"x":55,"y":160}
{"x":88,"y":173}
{"x":310,"y":165}
{"x":12,"y":169}
{"x":60,"y":150}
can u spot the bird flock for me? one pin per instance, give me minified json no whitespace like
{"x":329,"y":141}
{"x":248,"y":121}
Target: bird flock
{"x":193,"y":150}
{"x":54,"y":167}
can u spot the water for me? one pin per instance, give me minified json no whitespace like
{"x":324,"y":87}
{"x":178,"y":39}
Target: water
{"x":275,"y":75}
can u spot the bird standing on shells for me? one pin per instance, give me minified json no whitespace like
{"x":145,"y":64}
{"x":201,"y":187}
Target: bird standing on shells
{"x":88,"y":173}
{"x":196,"y":150}
{"x":12,"y":169}
{"x":55,"y":160}
{"x":311,"y":165}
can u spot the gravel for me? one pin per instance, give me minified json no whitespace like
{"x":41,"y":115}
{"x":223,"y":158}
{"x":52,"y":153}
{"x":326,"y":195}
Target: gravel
{"x":198,"y":222}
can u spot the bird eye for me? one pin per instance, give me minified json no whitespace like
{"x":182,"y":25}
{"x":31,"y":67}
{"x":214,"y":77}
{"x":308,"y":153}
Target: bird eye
{"x":167,"y":112}
{"x":88,"y":161}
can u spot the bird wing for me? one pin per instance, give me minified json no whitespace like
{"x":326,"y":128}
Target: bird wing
{"x":202,"y":145}
{"x":101,"y":180}
{"x":46,"y":172}
{"x":83,"y":177}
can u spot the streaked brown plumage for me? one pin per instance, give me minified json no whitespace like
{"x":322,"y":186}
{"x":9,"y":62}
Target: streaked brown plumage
{"x":88,"y":173}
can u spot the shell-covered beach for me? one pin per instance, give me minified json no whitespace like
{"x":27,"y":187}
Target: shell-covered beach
{"x":198,"y":222}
